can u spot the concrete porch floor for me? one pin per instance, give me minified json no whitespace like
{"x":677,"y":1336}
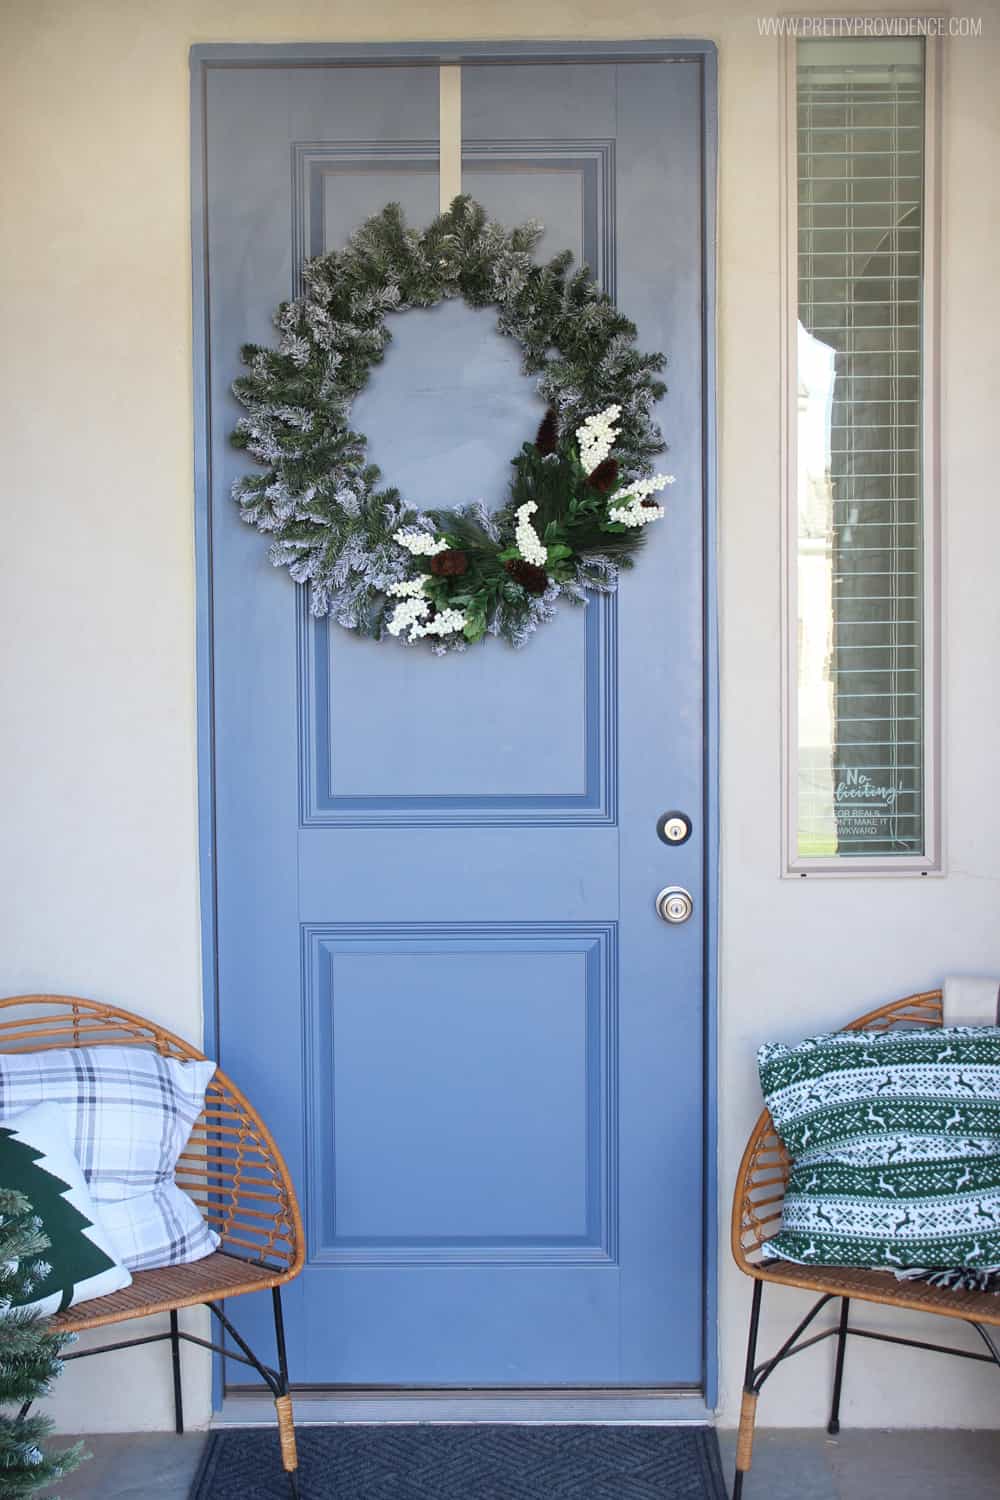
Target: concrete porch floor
{"x":788,"y":1465}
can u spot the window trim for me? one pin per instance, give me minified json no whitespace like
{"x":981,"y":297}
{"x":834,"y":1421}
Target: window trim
{"x":793,"y":865}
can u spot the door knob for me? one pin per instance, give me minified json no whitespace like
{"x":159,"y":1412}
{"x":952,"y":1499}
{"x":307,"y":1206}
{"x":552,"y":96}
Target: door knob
{"x":674,"y":904}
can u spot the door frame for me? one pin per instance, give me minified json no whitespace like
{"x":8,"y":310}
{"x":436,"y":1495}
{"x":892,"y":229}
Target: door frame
{"x":205,"y":57}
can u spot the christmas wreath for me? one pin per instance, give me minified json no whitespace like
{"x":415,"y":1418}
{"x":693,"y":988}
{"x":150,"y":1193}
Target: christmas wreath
{"x":582,"y":491}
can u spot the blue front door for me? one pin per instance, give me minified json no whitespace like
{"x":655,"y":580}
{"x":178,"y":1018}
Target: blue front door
{"x":440,"y":972}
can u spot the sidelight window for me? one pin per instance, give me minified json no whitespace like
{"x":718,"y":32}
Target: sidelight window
{"x":861,"y":721}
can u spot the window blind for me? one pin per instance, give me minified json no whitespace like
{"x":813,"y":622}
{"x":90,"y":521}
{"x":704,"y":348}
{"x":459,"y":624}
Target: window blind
{"x":860,"y":155}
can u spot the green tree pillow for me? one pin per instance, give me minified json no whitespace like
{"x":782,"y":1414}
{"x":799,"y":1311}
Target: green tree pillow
{"x":36,"y":1159}
{"x":895,"y":1141}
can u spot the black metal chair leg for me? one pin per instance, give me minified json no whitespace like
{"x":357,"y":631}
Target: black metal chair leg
{"x":833,"y":1426}
{"x":283,"y":1402}
{"x":748,"y":1409}
{"x":175,"y":1351}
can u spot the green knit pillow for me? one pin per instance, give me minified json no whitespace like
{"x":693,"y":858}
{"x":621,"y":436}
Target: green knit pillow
{"x":895,"y":1140}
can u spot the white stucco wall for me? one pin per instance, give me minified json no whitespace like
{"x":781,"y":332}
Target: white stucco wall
{"x":99,"y":868}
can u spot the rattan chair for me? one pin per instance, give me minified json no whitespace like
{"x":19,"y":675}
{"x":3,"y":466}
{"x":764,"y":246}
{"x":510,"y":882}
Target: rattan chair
{"x":760,"y":1190}
{"x":232,"y":1169}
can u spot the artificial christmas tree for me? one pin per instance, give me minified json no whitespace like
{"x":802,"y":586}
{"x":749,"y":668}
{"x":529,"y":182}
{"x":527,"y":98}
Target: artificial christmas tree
{"x":29,"y":1351}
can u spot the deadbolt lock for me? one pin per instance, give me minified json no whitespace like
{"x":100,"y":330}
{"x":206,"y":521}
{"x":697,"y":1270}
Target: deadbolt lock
{"x":674,"y":827}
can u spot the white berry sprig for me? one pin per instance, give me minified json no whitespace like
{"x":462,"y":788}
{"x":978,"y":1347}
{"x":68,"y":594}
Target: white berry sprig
{"x":420,"y":543}
{"x":630,"y":506}
{"x":596,"y":437}
{"x":529,"y":544}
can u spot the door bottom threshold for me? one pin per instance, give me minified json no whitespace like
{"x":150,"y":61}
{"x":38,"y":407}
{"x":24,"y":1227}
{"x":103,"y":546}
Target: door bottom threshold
{"x":251,"y":1408}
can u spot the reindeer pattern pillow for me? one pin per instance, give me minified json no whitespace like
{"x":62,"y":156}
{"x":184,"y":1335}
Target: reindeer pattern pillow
{"x":895,"y":1142}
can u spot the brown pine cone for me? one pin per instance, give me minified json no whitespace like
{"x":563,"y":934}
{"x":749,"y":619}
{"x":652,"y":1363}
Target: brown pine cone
{"x":528,"y":575}
{"x":547,"y":437}
{"x":604,"y":477}
{"x":450,"y":564}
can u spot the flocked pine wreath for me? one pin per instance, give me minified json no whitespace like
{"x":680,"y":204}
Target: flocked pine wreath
{"x":581,"y":492}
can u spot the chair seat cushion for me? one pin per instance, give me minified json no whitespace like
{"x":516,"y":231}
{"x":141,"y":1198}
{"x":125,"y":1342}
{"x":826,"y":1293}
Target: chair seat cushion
{"x":129,"y":1113}
{"x":37,"y":1160}
{"x":895,"y":1141}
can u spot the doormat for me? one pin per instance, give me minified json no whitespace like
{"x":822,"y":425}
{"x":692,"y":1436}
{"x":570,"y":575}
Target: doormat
{"x":492,"y":1461}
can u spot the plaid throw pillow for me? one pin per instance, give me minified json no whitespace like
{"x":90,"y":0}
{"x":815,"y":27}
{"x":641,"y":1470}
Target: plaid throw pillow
{"x":895,"y":1140}
{"x":129,"y":1113}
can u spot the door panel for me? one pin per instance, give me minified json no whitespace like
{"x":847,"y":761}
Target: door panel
{"x":372,"y":1001}
{"x":440,"y":972}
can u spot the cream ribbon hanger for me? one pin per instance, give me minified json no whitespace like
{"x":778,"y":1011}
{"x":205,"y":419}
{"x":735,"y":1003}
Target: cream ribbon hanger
{"x":450,"y":133}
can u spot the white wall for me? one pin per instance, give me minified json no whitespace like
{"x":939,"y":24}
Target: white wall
{"x":100,"y":882}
